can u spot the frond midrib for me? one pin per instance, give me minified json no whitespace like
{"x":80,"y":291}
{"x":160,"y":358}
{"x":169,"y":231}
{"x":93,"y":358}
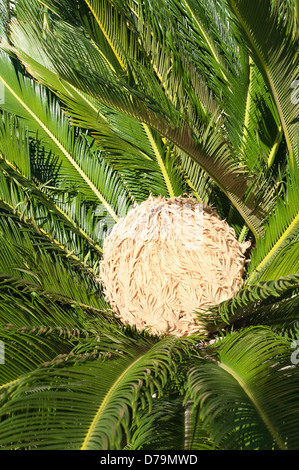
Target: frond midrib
{"x":245,"y":387}
{"x":269,"y":79}
{"x":62,"y":149}
{"x":106,"y":399}
{"x":275,"y":248}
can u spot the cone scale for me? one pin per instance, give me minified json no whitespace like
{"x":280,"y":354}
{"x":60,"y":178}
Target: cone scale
{"x":168,"y":259}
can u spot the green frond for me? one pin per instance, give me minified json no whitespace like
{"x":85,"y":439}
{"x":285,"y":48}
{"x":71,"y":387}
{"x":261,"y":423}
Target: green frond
{"x":24,"y":254}
{"x":239,"y":392}
{"x":276,"y":52}
{"x":45,"y":116}
{"x":20,"y":163}
{"x":168,"y":425}
{"x":262,"y":303}
{"x":277,"y":253}
{"x":106,"y":102}
{"x":26,"y":349}
{"x":196,"y":179}
{"x":100,"y":398}
{"x":121,"y":138}
{"x":203,"y":141}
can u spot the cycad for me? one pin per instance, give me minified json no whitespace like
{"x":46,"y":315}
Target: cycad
{"x":105,"y":105}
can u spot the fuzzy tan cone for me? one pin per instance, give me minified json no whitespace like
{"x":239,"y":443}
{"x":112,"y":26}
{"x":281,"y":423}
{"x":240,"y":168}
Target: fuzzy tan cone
{"x":168,"y":259}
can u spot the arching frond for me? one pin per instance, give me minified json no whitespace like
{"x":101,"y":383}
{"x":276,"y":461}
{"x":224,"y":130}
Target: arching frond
{"x":202,"y":140}
{"x":263,"y":303}
{"x":103,"y":103}
{"x":99,"y":423}
{"x":277,"y":253}
{"x":266,"y":30}
{"x":238,"y":392}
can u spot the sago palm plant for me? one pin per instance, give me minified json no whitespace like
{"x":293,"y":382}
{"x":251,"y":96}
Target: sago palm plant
{"x":106,"y":105}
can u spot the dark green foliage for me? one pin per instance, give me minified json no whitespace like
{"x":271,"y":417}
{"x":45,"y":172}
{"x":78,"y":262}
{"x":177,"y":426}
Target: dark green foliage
{"x":106,"y":102}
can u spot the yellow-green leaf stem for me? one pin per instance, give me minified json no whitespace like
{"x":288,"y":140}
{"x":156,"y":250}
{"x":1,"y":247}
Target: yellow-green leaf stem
{"x":63,"y":150}
{"x":248,"y":101}
{"x":275,"y":146}
{"x":159,"y":160}
{"x":256,"y":404}
{"x":106,"y":35}
{"x":61,"y":212}
{"x":268,"y":75}
{"x":99,"y":412}
{"x":42,"y":231}
{"x":275,"y":248}
{"x":203,"y":32}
